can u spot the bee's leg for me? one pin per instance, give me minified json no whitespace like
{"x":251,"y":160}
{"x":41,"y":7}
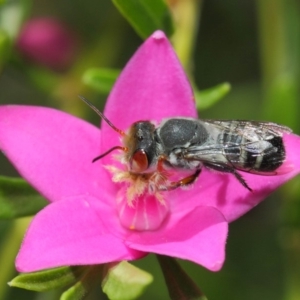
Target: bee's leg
{"x":184,"y":181}
{"x":176,"y":184}
{"x":227,"y":169}
{"x":239,"y":177}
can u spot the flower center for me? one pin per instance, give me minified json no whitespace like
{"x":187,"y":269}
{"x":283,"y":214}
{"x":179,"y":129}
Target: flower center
{"x":140,"y":205}
{"x":145,"y":213}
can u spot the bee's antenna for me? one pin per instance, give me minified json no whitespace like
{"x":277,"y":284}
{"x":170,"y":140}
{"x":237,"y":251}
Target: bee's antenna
{"x":97,"y":111}
{"x":108,"y":151}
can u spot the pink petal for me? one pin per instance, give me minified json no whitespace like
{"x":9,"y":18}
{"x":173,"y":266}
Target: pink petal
{"x":224,"y":192}
{"x":152,"y":86}
{"x":52,"y":150}
{"x":71,"y":232}
{"x":198,"y":235}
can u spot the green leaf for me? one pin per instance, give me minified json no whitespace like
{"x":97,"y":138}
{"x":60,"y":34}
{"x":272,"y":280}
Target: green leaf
{"x":180,"y":285}
{"x":12,"y":15}
{"x":86,"y":283}
{"x":76,"y":292}
{"x":207,"y":98}
{"x":18,"y":198}
{"x":125,"y":282}
{"x":146,"y":16}
{"x":102,"y":80}
{"x":48,"y":279}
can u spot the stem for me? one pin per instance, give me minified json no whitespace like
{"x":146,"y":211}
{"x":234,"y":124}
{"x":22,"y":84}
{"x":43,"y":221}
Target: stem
{"x":186,"y":14}
{"x":279,"y":24}
{"x":279,"y":29}
{"x":11,"y":245}
{"x":272,"y":39}
{"x":180,"y":285}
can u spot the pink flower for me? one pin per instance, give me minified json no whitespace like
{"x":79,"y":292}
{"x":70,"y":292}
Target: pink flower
{"x":47,"y":42}
{"x":88,"y":221}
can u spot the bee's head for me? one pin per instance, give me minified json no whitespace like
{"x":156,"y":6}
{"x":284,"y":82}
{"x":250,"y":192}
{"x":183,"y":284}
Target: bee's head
{"x":140,"y":145}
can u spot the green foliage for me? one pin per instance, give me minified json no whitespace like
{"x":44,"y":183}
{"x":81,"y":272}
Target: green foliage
{"x":146,"y":16}
{"x":101,"y":80}
{"x":48,"y":279}
{"x":121,"y":281}
{"x":83,"y":287}
{"x":125,"y":282}
{"x":265,"y":76}
{"x":207,"y":98}
{"x":280,"y":43}
{"x":4,"y":48}
{"x":18,"y":198}
{"x":12,"y":14}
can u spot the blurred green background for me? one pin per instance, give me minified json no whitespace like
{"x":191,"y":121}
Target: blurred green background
{"x":253,"y":45}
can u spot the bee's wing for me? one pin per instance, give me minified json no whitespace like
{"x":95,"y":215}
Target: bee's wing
{"x":247,"y":128}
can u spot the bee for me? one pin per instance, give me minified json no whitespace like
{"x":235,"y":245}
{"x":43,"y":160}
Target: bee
{"x":181,"y":143}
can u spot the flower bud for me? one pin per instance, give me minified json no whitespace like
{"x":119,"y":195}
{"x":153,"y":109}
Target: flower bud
{"x":47,"y":42}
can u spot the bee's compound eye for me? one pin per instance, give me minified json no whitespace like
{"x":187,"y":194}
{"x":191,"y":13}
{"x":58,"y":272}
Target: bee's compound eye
{"x":139,"y":161}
